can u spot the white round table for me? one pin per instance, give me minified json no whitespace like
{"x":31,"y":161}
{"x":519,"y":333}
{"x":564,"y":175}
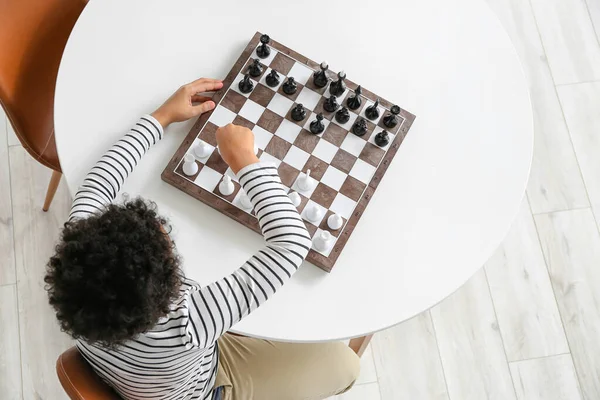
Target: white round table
{"x":445,"y":203}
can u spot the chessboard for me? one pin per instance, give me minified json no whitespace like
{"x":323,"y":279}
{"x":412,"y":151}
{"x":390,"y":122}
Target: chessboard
{"x":345,"y":168}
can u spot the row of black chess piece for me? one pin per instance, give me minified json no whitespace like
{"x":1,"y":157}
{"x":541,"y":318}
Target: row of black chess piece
{"x":359,"y":128}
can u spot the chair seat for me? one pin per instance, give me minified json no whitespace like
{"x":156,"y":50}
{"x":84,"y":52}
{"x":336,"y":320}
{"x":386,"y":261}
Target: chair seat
{"x":79,"y":380}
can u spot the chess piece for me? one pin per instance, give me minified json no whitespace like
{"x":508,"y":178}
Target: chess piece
{"x":298,"y":113}
{"x":272,"y":79}
{"x":391,"y":120}
{"x":189,"y":165}
{"x":342,"y":116}
{"x":320,"y":79}
{"x":202,"y":149}
{"x":317,"y":126}
{"x":337,"y":88}
{"x":331,"y":104}
{"x":245,"y":201}
{"x":226,"y":186}
{"x":305,"y":182}
{"x":335,"y":222}
{"x":295,"y":198}
{"x":263,"y":51}
{"x":290,"y":86}
{"x":322,"y":241}
{"x":246,"y":85}
{"x":372,"y":112}
{"x":360,"y":127}
{"x":354,"y":101}
{"x":255,"y":69}
{"x":382,"y":139}
{"x":314,"y":213}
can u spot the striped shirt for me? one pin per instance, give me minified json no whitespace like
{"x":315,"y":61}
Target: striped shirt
{"x":178,"y":358}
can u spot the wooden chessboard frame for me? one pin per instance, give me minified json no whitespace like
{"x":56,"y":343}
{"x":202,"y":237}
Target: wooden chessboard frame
{"x":326,"y":263}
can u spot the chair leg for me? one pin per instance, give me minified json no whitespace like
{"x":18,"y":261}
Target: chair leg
{"x":52,"y":186}
{"x":359,"y":344}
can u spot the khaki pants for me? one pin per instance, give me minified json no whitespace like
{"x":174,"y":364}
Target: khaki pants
{"x":255,"y":369}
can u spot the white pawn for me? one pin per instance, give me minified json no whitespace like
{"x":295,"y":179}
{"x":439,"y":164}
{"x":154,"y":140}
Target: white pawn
{"x":245,"y":202}
{"x":323,"y":241}
{"x":314,"y":214}
{"x":189,"y":165}
{"x":295,"y":198}
{"x":226,"y":186}
{"x":306,"y":183}
{"x":202,"y":149}
{"x":334,"y":222}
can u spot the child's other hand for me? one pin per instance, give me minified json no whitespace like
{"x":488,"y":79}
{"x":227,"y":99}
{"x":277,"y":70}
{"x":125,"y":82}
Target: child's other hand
{"x":236,"y":145}
{"x":187,"y":102}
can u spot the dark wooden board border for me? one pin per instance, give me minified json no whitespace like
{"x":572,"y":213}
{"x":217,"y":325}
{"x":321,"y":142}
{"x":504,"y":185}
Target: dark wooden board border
{"x":326,"y":263}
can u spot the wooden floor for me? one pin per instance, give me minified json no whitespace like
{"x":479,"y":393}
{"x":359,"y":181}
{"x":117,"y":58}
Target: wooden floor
{"x":526,"y":326}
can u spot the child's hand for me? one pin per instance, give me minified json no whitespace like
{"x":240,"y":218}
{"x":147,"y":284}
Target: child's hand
{"x":186,"y":102}
{"x":236,"y":145}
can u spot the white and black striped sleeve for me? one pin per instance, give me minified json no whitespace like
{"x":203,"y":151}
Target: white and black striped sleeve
{"x":215,"y":308}
{"x":104,"y":181}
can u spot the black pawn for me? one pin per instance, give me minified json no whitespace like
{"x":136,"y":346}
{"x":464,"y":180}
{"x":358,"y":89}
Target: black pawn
{"x":342,"y":116}
{"x":255,"y":69}
{"x":290,"y":86}
{"x":360,"y":127}
{"x":298,"y":112}
{"x":317,"y":126}
{"x":353,"y":102}
{"x":391,"y":120}
{"x":320,"y":77}
{"x":263,"y":51}
{"x":382,"y":139}
{"x":337,"y":88}
{"x":246,"y":84}
{"x":272,"y":78}
{"x":372,"y":112}
{"x":331,"y":104}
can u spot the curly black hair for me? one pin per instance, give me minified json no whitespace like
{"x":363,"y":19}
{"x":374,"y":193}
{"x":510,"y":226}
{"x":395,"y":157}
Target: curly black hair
{"x":114,"y":274}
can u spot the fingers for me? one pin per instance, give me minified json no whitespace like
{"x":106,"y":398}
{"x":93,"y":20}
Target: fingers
{"x":199,"y":99}
{"x":204,"y":107}
{"x":204,"y":85}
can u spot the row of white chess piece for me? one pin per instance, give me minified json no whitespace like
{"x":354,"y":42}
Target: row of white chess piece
{"x":305,"y":183}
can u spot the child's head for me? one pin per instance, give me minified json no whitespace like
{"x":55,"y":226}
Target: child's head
{"x":114,"y":274}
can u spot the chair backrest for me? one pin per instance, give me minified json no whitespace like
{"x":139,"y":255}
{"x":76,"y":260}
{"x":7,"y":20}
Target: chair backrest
{"x":79,"y":379}
{"x":33,"y":35}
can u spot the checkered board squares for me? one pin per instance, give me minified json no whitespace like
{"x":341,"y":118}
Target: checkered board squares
{"x":346,"y":168}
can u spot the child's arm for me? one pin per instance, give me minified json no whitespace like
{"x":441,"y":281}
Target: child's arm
{"x":215,"y":308}
{"x":104,"y":181}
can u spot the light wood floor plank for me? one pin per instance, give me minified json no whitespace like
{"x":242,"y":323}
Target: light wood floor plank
{"x":35,"y":236}
{"x":569,"y":38}
{"x":7,"y":252}
{"x":571,"y":245}
{"x":12,"y":137}
{"x":550,"y":378}
{"x":581,"y":104}
{"x":470,"y":344}
{"x":594,"y":9}
{"x":555,"y":181}
{"x":10,"y":362}
{"x":408,"y":362}
{"x":522,"y":293}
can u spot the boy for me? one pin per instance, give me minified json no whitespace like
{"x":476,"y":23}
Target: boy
{"x":151,"y":333}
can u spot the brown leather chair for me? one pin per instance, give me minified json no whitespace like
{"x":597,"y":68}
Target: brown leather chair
{"x":33,"y":34}
{"x":79,"y":379}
